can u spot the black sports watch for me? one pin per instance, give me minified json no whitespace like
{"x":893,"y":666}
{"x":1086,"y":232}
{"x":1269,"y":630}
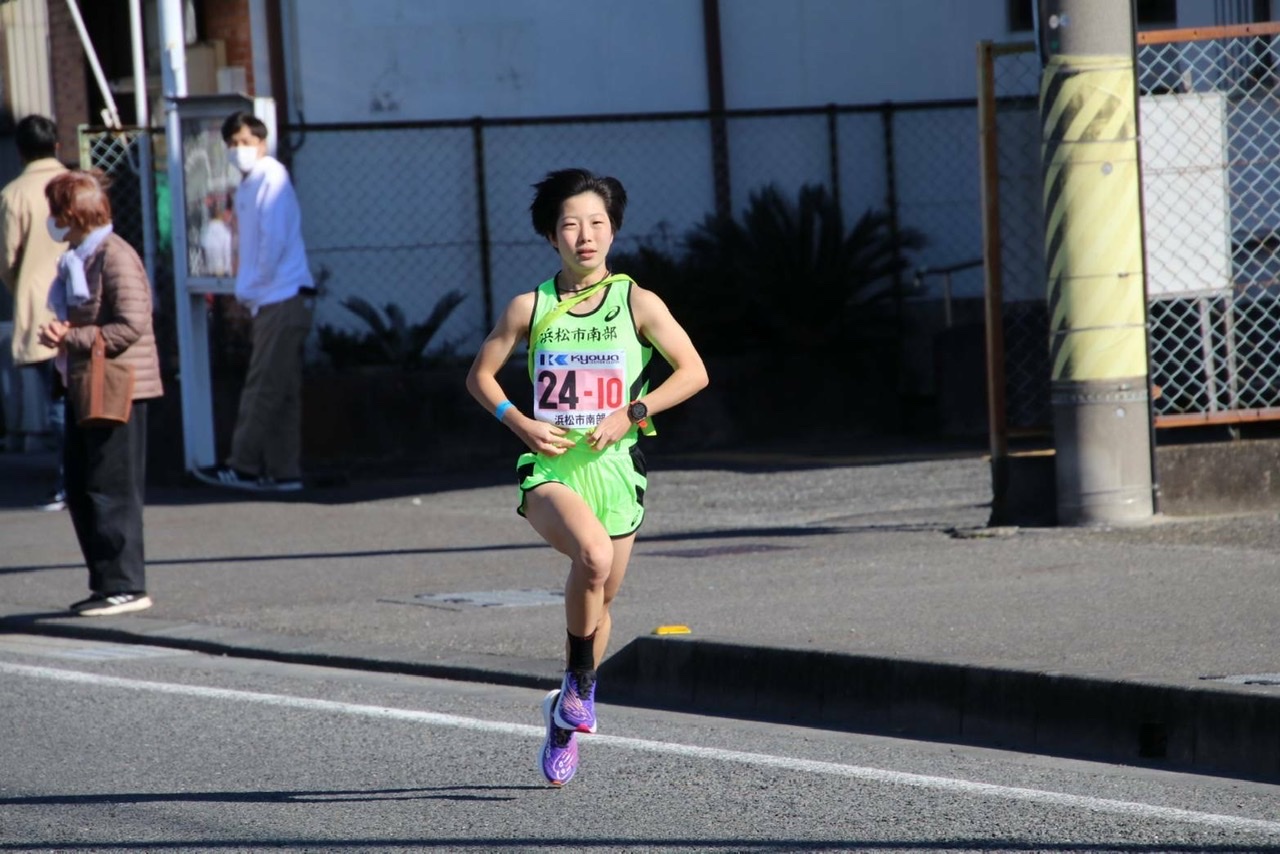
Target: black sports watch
{"x":638,"y":413}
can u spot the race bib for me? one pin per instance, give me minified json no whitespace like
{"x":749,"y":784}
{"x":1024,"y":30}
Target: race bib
{"x":578,"y":390}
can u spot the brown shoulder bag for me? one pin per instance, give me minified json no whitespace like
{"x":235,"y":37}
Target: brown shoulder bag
{"x":101,"y":389}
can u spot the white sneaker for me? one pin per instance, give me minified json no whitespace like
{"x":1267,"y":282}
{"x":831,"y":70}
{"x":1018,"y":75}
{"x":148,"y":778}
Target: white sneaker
{"x":55,"y":501}
{"x":107,"y":605}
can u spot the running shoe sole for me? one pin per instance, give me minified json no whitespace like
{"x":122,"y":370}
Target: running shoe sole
{"x":565,"y":766}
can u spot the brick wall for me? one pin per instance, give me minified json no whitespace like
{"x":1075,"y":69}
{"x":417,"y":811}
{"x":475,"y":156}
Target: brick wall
{"x":70,"y":80}
{"x":228,"y":21}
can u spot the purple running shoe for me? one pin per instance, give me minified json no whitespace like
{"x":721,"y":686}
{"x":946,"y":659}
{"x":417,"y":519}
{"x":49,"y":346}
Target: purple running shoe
{"x":559,"y":757}
{"x":577,"y":707}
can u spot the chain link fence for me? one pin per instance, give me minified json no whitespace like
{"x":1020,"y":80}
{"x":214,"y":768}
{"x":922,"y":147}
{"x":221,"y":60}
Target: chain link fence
{"x":118,"y":155}
{"x":1211,"y":160}
{"x":1211,"y":186}
{"x":402,"y":214}
{"x":1210,"y":127}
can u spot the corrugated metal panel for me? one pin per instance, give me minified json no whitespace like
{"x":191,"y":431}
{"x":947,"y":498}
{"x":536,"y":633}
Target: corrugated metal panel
{"x":27,"y":86}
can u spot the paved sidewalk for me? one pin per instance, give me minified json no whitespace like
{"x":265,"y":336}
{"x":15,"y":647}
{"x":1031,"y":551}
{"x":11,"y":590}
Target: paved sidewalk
{"x":858,"y":594}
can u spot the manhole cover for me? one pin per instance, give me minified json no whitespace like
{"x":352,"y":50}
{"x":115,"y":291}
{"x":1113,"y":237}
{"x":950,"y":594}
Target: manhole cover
{"x":1247,"y":679}
{"x":484,"y":599}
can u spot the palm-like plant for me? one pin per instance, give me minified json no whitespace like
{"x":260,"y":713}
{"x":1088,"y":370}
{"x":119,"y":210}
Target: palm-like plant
{"x":787,"y":290}
{"x":789,"y":273}
{"x":390,"y":339}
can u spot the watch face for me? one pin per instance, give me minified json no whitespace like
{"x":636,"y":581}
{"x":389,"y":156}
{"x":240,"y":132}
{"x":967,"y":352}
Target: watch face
{"x":637,"y":411}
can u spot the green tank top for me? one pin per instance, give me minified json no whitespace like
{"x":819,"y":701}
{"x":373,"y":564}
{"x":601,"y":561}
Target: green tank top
{"x":585,"y":367}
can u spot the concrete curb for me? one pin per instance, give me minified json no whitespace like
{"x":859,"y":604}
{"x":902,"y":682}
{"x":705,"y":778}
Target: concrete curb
{"x":1232,"y":730}
{"x":213,"y":640}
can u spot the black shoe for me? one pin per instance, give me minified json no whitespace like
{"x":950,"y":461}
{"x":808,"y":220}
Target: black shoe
{"x":229,"y":477}
{"x":110,"y":604}
{"x":94,"y":599}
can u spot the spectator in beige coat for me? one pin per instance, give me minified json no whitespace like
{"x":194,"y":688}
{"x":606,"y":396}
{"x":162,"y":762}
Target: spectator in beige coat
{"x":102,"y":286}
{"x":28,"y":265}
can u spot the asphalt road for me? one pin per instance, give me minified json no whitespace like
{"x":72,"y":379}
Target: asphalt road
{"x":129,"y":748}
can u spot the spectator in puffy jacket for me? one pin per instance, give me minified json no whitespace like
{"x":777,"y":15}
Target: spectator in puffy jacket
{"x":102,"y":286}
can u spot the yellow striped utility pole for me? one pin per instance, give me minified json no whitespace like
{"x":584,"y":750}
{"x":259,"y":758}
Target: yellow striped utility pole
{"x":1094,"y":261}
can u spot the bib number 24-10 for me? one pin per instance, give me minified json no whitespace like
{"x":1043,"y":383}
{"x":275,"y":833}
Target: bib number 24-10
{"x":579,"y":389}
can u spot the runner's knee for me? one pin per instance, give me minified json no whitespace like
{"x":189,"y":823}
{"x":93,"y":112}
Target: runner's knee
{"x":595,"y":560}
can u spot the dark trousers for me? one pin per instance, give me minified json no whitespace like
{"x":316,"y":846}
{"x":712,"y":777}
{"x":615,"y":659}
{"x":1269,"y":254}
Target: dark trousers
{"x":106,"y":473}
{"x":268,"y":435}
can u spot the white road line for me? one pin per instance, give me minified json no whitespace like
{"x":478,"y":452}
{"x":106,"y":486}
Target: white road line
{"x":873,"y":775}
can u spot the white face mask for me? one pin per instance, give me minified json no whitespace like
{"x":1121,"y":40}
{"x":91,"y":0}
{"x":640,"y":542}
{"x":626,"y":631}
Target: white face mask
{"x":243,"y":157}
{"x":59,"y":234}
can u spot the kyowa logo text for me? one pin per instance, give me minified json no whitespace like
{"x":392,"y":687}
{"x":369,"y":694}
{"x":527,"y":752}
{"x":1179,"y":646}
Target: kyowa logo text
{"x":554,"y":360}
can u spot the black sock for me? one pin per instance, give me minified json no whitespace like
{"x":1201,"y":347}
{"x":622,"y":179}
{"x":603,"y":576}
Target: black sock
{"x":582,"y":654}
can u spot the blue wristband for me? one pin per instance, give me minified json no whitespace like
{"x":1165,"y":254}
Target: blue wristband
{"x":502,"y":409}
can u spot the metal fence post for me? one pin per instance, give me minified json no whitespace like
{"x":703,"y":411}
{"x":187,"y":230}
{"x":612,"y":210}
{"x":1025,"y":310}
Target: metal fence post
{"x":716,"y":102}
{"x":482,"y":212}
{"x":833,"y":143}
{"x":891,"y":208}
{"x":993,"y":293}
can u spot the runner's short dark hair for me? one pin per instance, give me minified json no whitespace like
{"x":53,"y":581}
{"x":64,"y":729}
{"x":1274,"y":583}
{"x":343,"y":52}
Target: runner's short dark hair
{"x":550,"y":194}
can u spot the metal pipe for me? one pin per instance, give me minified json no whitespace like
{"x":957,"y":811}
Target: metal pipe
{"x":193,"y":334}
{"x":110,"y":115}
{"x":946,"y":273}
{"x":142,"y":118}
{"x":279,"y":86}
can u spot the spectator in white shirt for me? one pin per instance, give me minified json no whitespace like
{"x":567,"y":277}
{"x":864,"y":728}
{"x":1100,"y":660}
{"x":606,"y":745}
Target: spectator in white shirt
{"x":217,"y":243}
{"x":274,"y":282}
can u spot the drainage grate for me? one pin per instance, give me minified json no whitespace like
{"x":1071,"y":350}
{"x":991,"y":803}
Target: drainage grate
{"x":1247,"y":679}
{"x":719,"y":551}
{"x":483,"y":599}
{"x":112,"y":652}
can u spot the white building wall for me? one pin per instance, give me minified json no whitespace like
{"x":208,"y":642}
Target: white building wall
{"x":808,"y":52}
{"x":389,"y":60}
{"x":394,"y":60}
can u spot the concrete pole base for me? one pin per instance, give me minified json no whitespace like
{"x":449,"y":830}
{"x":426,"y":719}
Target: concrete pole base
{"x":1103,"y":460}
